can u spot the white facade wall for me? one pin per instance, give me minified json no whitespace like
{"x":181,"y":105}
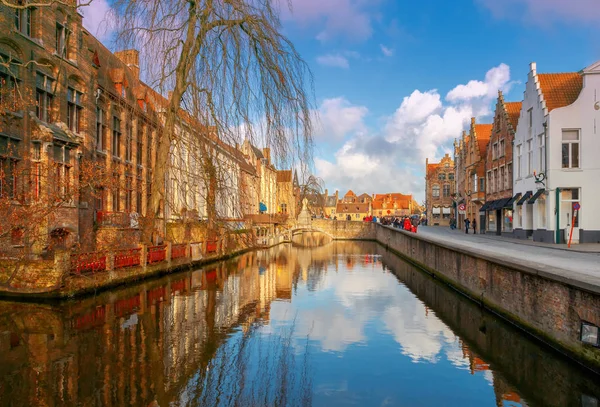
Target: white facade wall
{"x":526,"y":217}
{"x":584,"y":116}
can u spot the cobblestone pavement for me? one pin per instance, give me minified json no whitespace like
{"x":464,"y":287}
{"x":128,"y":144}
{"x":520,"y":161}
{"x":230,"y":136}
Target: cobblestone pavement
{"x":564,"y":263}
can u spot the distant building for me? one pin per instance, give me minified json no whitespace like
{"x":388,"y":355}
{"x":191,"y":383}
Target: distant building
{"x":392,"y":204}
{"x":331,"y":202}
{"x":356,"y":211}
{"x":440,"y":187}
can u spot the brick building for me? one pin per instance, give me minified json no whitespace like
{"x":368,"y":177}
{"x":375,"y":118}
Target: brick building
{"x":392,"y":204}
{"x":470,"y":153}
{"x":498,"y":207}
{"x":440,"y":187}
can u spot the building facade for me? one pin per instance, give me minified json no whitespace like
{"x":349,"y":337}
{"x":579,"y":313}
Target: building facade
{"x":498,"y":207}
{"x":555,"y":144}
{"x":392,"y":204}
{"x":440,"y":187}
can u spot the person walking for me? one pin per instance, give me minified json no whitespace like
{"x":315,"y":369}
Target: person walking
{"x":474,"y":223}
{"x":467,"y":224}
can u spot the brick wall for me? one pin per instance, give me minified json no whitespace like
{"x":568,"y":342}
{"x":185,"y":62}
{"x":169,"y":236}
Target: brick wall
{"x":549,"y":309}
{"x":350,"y":230}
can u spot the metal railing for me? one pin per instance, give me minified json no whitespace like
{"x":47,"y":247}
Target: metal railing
{"x":128,"y":258}
{"x":156,"y":254}
{"x":88,"y":262}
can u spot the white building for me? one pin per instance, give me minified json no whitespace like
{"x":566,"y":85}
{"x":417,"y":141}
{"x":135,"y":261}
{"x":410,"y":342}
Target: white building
{"x":555,"y":157}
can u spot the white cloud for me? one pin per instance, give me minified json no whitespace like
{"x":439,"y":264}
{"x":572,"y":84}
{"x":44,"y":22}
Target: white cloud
{"x":388,"y":52}
{"x":333,"y":18}
{"x":423,"y":126}
{"x":96,"y":19}
{"x":337,"y":118}
{"x":334,"y":60}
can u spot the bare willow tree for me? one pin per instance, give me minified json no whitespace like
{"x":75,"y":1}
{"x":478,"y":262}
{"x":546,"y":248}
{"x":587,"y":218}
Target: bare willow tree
{"x":312,"y":189}
{"x":226,"y":63}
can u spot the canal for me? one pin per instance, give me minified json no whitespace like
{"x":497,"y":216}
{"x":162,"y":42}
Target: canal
{"x":344,"y":324}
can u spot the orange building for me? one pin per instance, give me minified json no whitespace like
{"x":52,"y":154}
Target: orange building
{"x":392,"y":204}
{"x":472,"y":151}
{"x":440,"y":186}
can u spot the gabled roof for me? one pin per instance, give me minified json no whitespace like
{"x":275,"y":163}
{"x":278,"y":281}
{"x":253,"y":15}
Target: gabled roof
{"x":560,"y":89}
{"x":483,"y":133}
{"x":431,"y":168}
{"x":350,"y":193}
{"x":513,"y":110}
{"x":284,"y":176}
{"x":257,"y":152}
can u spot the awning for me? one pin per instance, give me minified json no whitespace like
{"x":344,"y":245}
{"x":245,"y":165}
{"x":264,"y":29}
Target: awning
{"x":536,"y":196}
{"x":525,"y":198}
{"x":500,"y":203}
{"x":486,"y":206}
{"x":512,"y":200}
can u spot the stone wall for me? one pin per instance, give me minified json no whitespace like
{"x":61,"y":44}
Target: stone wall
{"x":341,"y":229}
{"x":549,"y":309}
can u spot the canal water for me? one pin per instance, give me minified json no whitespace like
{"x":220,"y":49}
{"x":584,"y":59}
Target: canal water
{"x":347,"y":324}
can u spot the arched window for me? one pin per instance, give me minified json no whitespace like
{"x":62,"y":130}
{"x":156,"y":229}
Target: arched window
{"x":442,"y":176}
{"x":436,"y":191}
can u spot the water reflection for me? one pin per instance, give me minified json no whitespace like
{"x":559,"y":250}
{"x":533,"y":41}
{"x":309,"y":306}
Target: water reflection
{"x":343,"y":324}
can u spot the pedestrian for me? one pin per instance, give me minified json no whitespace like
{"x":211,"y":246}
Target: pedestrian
{"x":467,"y":224}
{"x":474,"y":226}
{"x":415,"y":224}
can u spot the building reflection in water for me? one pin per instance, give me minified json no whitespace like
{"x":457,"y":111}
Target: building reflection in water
{"x":255,"y":331}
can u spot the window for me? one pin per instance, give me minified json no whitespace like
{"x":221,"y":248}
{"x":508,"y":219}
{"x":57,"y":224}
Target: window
{"x":489,"y":177}
{"x":139,"y":149}
{"x":481,"y":184}
{"x":530,"y":116}
{"x":23,"y":20}
{"x":501,"y":151}
{"x":36,"y":157}
{"x":62,"y":40}
{"x":116,"y":193}
{"x":442,"y":176}
{"x":451,"y":176}
{"x":502,"y":183}
{"x":540,"y":160}
{"x":283,"y":208}
{"x":129,"y":193}
{"x":129,"y":143}
{"x":44,"y":87}
{"x":149,"y":149}
{"x":116,"y":136}
{"x":436,"y":191}
{"x":474,"y":189}
{"x":529,"y":157}
{"x":139,"y":195}
{"x":496,"y":181}
{"x":446,"y":190}
{"x":62,"y":167}
{"x":570,"y":148}
{"x":541,"y":207}
{"x":519,"y":161}
{"x":100,"y":129}
{"x":494,"y":151}
{"x":569,"y":197}
{"x":74,"y":109}
{"x":8,"y":83}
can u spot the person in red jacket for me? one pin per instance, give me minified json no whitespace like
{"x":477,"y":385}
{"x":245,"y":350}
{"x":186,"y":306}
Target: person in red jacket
{"x":407,"y":225}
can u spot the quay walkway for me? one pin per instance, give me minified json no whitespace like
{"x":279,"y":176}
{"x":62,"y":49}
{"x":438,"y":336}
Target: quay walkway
{"x":578,"y":266}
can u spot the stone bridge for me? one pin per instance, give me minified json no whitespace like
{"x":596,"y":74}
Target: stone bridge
{"x":323,"y":231}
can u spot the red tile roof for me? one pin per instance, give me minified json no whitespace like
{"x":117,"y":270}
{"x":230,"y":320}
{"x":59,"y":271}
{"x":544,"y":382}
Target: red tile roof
{"x":352,"y":208}
{"x":513,"y":109}
{"x":350,"y":193}
{"x":560,"y":89}
{"x":483,"y":133}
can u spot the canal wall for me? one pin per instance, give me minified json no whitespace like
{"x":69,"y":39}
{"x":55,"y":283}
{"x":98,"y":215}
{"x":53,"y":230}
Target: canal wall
{"x":550,"y":307}
{"x":346,"y":230}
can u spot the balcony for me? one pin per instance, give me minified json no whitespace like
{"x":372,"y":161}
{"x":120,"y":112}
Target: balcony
{"x":478,"y":196}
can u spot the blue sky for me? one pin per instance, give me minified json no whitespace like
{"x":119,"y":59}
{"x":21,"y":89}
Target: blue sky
{"x":397,"y":80}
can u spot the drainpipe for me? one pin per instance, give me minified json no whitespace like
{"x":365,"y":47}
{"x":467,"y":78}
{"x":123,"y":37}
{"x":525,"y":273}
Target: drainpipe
{"x":557,"y":212}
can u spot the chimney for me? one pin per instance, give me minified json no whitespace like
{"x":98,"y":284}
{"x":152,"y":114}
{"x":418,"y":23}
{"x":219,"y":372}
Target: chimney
{"x":131,"y":58}
{"x":267,"y":154}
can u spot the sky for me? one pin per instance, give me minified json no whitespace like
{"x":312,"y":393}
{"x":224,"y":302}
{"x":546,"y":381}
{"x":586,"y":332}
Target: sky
{"x":396,"y":81}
